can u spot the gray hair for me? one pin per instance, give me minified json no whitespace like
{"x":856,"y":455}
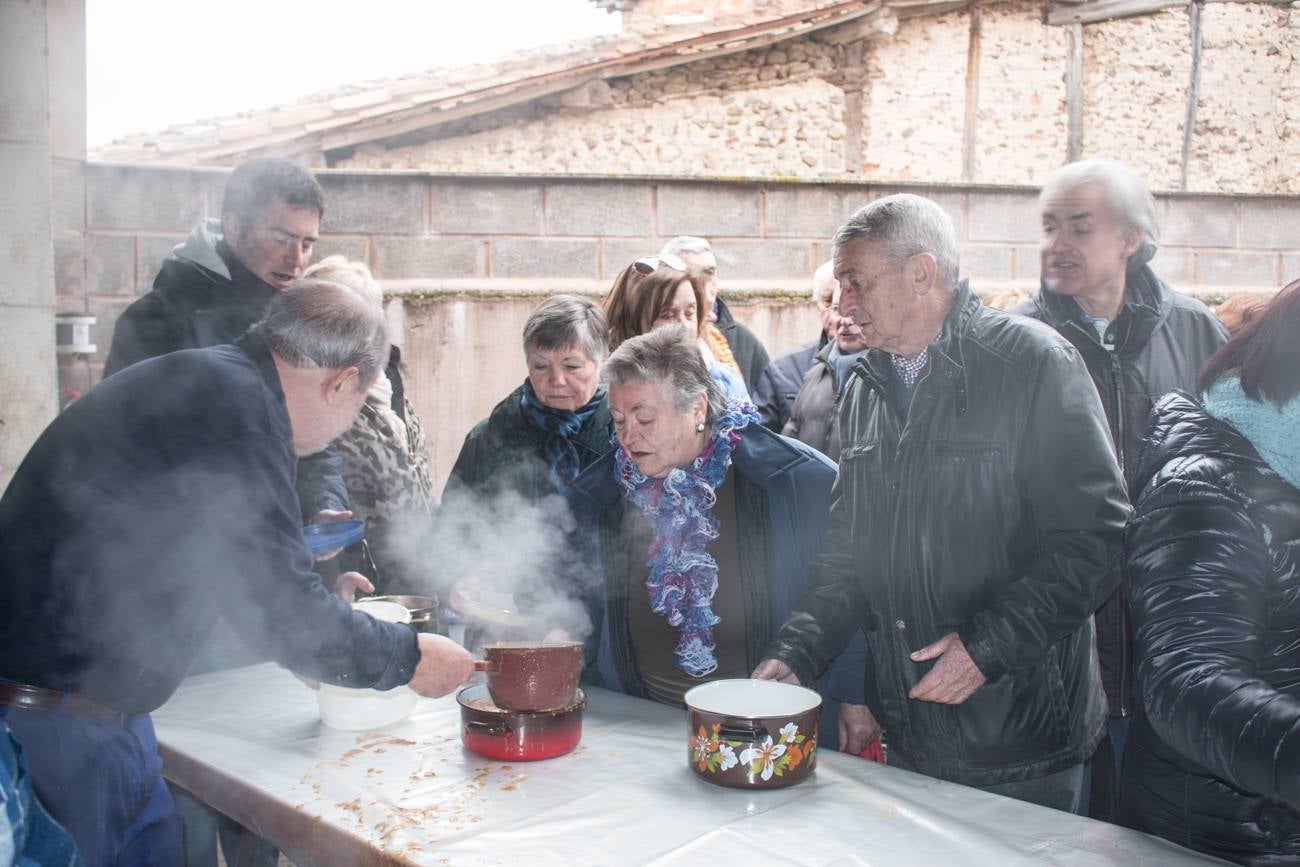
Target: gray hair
{"x":1127,"y":194}
{"x":670,"y":357}
{"x":562,"y":321}
{"x":326,"y":324}
{"x":824,"y":274}
{"x":905,"y":225}
{"x":687,"y":244}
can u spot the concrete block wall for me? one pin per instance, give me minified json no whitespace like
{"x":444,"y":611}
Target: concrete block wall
{"x":468,"y":257}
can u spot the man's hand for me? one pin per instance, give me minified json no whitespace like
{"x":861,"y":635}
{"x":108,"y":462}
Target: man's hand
{"x":775,"y":669}
{"x":349,"y":583}
{"x":954,"y":678}
{"x":858,"y":727}
{"x":444,"y":665}
{"x":329,"y":516}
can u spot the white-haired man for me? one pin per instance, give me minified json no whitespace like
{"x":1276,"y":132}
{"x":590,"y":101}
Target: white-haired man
{"x":724,"y":334}
{"x":1140,"y":341}
{"x":777,"y":388}
{"x":976,"y":517}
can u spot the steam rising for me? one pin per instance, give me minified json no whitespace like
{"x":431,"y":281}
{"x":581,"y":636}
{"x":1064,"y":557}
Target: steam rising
{"x":505,"y":550}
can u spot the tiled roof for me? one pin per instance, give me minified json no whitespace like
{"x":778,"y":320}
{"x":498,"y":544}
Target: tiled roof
{"x":310,"y":127}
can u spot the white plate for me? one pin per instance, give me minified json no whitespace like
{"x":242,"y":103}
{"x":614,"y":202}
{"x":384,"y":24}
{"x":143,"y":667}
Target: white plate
{"x":497,"y":608}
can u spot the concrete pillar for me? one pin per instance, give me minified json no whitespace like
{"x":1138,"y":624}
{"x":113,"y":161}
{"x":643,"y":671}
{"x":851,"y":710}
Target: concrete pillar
{"x":28,"y":373}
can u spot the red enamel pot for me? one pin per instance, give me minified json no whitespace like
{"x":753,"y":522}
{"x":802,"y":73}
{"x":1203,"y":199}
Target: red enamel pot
{"x":515,"y":736}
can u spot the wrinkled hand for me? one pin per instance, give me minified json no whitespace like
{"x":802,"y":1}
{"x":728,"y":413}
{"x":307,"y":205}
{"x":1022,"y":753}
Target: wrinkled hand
{"x":349,"y":583}
{"x":444,"y":665}
{"x":858,"y":727}
{"x":329,"y":516}
{"x":954,"y":678}
{"x":775,"y":669}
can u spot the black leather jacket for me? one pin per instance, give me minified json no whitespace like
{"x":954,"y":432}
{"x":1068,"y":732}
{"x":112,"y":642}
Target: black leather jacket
{"x":1212,"y":563}
{"x":1162,"y":340}
{"x":996,"y":511}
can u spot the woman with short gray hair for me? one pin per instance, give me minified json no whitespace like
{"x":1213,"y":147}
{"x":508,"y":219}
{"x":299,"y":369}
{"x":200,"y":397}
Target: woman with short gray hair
{"x":537,"y":440}
{"x":701,"y":523}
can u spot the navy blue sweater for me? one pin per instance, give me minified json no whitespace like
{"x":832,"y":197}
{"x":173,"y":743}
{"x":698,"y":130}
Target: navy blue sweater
{"x":158,"y":502}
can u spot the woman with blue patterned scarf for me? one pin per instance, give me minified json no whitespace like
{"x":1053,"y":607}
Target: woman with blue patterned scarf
{"x":700,"y":523}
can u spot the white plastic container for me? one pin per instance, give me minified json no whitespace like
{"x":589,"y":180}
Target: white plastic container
{"x":364,"y":709}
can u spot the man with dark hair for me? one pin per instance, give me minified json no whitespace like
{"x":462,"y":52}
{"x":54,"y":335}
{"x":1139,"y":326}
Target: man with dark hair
{"x":218,"y":283}
{"x":156,"y":505}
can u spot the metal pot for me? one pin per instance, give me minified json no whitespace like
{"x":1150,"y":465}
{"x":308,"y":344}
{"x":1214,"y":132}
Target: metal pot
{"x":752,"y":734}
{"x":532,"y":676}
{"x":514,"y":736}
{"x":426,"y":615}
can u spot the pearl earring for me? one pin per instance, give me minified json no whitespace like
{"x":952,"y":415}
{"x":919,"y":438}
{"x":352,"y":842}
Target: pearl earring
{"x":699,"y":427}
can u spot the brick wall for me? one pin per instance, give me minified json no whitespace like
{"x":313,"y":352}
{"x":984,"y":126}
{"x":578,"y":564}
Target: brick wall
{"x":467,"y":258}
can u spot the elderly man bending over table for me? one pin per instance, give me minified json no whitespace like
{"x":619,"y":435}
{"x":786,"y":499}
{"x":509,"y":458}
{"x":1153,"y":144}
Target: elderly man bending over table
{"x":156,"y":504}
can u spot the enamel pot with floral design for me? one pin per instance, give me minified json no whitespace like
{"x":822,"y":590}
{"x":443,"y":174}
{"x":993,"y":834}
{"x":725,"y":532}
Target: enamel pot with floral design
{"x":752,"y":734}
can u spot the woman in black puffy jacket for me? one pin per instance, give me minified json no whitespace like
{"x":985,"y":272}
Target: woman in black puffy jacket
{"x":1213,"y":563}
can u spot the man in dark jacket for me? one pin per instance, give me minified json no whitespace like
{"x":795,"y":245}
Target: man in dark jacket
{"x":780,"y":383}
{"x":159,"y":502}
{"x":975,"y":521}
{"x":815,"y":418}
{"x":1139,"y":340}
{"x":751,"y":357}
{"x":218,"y":283}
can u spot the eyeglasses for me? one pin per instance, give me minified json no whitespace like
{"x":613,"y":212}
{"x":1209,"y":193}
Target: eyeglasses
{"x":647,"y":266}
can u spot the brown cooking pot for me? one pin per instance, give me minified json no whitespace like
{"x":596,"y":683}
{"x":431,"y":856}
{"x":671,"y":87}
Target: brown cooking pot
{"x":517,"y":736}
{"x":532,"y":676}
{"x":752,"y":734}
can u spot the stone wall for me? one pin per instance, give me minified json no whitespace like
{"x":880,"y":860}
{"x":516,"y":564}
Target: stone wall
{"x":465,"y":259}
{"x":779,"y":110}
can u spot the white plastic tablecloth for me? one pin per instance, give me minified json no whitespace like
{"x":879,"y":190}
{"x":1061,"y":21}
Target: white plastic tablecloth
{"x":250,"y":743}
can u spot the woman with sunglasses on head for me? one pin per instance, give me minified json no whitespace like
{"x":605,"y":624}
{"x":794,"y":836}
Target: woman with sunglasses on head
{"x":1212,"y":561}
{"x":657,"y":291}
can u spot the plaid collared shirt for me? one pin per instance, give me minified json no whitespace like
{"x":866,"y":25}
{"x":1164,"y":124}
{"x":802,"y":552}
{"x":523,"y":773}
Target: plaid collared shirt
{"x":909,"y":369}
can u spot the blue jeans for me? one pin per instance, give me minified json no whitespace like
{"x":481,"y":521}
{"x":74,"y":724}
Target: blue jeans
{"x":102,"y":780}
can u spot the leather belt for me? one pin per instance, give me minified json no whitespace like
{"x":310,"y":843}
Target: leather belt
{"x":21,"y":695}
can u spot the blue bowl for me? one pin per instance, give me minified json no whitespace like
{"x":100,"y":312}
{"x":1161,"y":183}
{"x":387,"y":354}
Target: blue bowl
{"x":332,"y":535}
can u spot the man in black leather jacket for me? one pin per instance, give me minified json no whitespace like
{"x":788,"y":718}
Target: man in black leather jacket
{"x":974,"y":524}
{"x":213,"y":287}
{"x":1140,"y":341}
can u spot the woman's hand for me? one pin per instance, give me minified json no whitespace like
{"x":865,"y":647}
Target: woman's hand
{"x":857,"y":727}
{"x":775,"y":669}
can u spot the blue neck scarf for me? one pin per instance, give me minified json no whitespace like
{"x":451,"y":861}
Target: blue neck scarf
{"x":559,"y":425}
{"x":1275,"y":433}
{"x":683,"y":576}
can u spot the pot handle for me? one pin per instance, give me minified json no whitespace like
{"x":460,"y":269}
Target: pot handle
{"x":486,"y":665}
{"x":488,"y":728}
{"x":733,"y":732}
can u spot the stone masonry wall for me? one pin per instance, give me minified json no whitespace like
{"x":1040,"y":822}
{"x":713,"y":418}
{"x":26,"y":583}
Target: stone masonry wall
{"x":915,"y":101}
{"x":465,"y":259}
{"x":763,"y":112}
{"x":779,"y":111}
